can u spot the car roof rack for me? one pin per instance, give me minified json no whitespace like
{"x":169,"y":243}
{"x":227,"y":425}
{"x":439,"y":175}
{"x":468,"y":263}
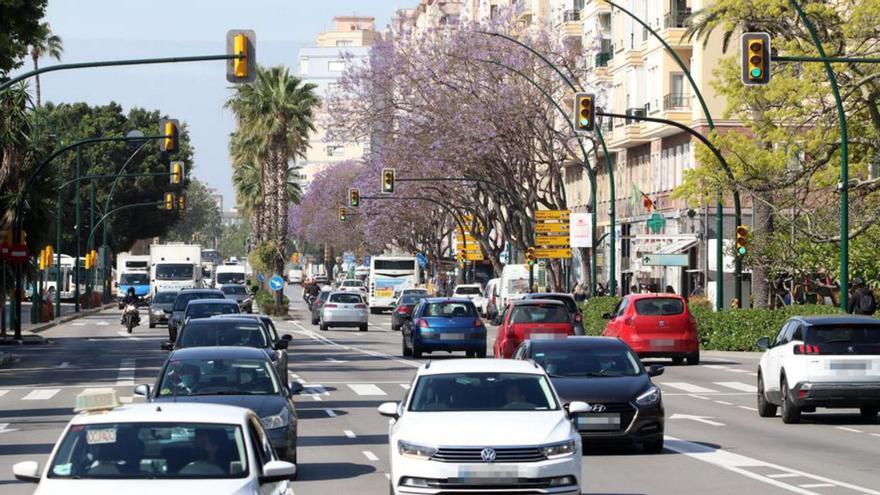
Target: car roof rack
{"x":428,"y":364}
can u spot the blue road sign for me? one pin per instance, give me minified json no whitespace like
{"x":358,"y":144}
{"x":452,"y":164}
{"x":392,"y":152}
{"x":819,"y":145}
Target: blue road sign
{"x":276,"y":282}
{"x":423,"y":262}
{"x":261,"y":278}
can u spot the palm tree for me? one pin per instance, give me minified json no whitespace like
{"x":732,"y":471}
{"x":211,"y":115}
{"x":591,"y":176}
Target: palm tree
{"x":45,"y":43}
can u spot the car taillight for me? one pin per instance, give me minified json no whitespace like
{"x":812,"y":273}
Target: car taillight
{"x":423,"y":324}
{"x":404,"y":310}
{"x":330,"y":306}
{"x":806,"y":349}
{"x":360,"y":306}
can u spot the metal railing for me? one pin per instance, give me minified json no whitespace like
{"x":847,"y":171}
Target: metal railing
{"x":676,"y":100}
{"x":676,"y":19}
{"x":603,"y":58}
{"x":571,"y":16}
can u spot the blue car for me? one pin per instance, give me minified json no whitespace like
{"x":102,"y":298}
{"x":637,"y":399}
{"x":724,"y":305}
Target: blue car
{"x":442,"y":324}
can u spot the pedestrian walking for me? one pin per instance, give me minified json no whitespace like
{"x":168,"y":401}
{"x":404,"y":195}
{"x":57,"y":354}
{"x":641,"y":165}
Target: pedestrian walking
{"x":670,"y":289}
{"x":698,"y":291}
{"x":862,"y":301}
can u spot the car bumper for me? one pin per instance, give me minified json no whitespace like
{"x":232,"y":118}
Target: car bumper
{"x":331,"y":318}
{"x":675,"y":348}
{"x":158,"y":319}
{"x":636,"y":425}
{"x":443,"y":477}
{"x":836,"y":394}
{"x":437,"y":343}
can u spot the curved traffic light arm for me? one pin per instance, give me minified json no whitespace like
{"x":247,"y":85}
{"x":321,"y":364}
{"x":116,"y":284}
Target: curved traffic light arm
{"x":441,"y":204}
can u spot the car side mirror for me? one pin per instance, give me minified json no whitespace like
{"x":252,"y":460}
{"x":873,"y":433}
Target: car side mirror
{"x":578,"y":407}
{"x":763,"y":343}
{"x":281,"y":344}
{"x":655,"y":370}
{"x":142,"y":390}
{"x":167,"y":346}
{"x":606,"y":316}
{"x":296,"y":388}
{"x":28,"y":471}
{"x":287,"y":337}
{"x":389,"y":409}
{"x":276,"y":471}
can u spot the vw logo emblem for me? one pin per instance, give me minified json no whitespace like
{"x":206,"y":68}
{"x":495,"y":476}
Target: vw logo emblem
{"x":597,"y":408}
{"x":488,"y":454}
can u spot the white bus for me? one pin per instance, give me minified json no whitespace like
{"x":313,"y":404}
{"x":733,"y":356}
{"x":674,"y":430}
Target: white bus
{"x":390,"y":273}
{"x":67,"y":286}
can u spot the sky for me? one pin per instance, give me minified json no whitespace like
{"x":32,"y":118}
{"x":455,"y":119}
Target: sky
{"x":193,"y":92}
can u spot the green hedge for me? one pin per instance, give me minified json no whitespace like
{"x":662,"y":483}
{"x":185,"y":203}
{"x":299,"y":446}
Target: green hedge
{"x":731,"y":330}
{"x":266,"y":302}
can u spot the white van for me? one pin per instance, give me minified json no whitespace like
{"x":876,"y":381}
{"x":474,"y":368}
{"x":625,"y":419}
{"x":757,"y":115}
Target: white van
{"x":489,"y":303}
{"x":513,"y":285}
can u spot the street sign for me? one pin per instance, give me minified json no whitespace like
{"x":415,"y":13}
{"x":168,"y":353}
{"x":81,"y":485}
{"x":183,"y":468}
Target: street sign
{"x":552,"y":214}
{"x":551,"y":228}
{"x":656,"y":223}
{"x":18,"y":254}
{"x":423,"y":262}
{"x":665,"y":260}
{"x":554,"y":253}
{"x":581,"y":228}
{"x":552,"y":241}
{"x":261,"y":278}
{"x":276,"y":283}
{"x":473,"y":256}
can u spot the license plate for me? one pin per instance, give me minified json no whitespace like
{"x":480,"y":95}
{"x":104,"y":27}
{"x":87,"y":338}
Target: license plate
{"x":599,"y":422}
{"x":662,"y":342}
{"x":384,"y":292}
{"x":451,"y":336}
{"x":849,"y":365}
{"x":546,"y":336}
{"x":487,"y":473}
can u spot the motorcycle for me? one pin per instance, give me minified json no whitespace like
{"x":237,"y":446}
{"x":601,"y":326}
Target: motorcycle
{"x":131,"y":316}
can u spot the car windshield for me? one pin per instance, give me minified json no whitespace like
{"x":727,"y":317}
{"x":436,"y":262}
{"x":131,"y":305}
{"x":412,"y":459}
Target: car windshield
{"x":164,"y":297}
{"x":659,"y":306}
{"x":587,"y":362}
{"x":352,"y":283}
{"x":234,"y":290}
{"x":568,"y":301}
{"x":230,"y":278}
{"x":217,"y":377}
{"x":211,"y":309}
{"x":412,"y":299}
{"x":346,"y":299}
{"x":151,"y":451}
{"x":174,"y":271}
{"x":134,"y":279}
{"x":467,"y":291}
{"x":220,"y":333}
{"x":539,"y":313}
{"x":183,"y":299}
{"x":483,"y":392}
{"x":449,"y":309}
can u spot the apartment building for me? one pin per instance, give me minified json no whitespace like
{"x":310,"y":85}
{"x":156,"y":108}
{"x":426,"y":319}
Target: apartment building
{"x":347,"y":42}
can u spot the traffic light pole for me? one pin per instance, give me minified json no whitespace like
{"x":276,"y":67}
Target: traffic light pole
{"x":94,"y":228}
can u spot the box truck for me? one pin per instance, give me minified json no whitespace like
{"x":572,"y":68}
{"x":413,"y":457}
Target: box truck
{"x":175,"y":266}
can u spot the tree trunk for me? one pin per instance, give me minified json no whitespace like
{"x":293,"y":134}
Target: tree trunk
{"x":37,"y":81}
{"x":763,"y":221}
{"x":585,"y":279}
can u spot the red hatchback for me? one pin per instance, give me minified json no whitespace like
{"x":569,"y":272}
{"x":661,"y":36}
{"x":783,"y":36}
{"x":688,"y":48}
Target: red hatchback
{"x":531,"y":319}
{"x":656,"y":325}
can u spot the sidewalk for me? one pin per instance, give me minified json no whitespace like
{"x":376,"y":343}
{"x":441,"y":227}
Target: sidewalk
{"x":30,"y":331}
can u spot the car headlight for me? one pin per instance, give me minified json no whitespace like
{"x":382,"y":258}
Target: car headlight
{"x":158,"y":312}
{"x":279,"y":420}
{"x":650,"y":397}
{"x":415,"y":450}
{"x":246,"y":301}
{"x":560,"y":449}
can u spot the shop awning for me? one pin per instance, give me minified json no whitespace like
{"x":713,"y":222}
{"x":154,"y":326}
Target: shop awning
{"x":678,"y":247}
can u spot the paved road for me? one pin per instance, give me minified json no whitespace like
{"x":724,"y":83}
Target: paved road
{"x":716,"y":442}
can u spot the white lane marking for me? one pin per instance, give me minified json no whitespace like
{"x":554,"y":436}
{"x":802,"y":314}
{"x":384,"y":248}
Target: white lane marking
{"x":97,"y":390}
{"x":747,"y":408}
{"x":784,"y":475}
{"x":334,"y":361}
{"x":325,"y":340}
{"x":317,"y":397}
{"x":78,"y":324}
{"x":817,"y":485}
{"x":350,"y":434}
{"x":753,"y":374}
{"x":742,"y":387}
{"x":126,"y":373}
{"x":741,"y":464}
{"x":3,"y":428}
{"x":366,"y":389}
{"x":736,"y":370}
{"x":101,"y":323}
{"x":724,"y":403}
{"x":294,"y":376}
{"x":370,"y":456}
{"x":41,"y":394}
{"x":688,"y":387}
{"x":387,"y":475}
{"x":64,"y":364}
{"x":3,"y":392}
{"x":875,"y":434}
{"x":699,"y":419}
{"x":404,"y":386}
{"x":695,"y":396}
{"x":330,"y":413}
{"x":715,"y":366}
{"x":851,"y":430}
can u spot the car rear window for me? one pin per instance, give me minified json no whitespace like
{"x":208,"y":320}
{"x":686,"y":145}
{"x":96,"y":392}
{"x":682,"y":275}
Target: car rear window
{"x":346,"y":298}
{"x":540,"y":313}
{"x":209,"y":310}
{"x":183,"y":299}
{"x":449,"y":309}
{"x":660,"y":306}
{"x":412,"y":299}
{"x":844,"y":339}
{"x":164,"y":297}
{"x":224,"y":334}
{"x":468,"y":290}
{"x":569,"y":302}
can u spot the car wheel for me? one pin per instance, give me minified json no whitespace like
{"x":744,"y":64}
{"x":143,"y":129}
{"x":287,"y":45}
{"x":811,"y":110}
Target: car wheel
{"x":416,"y":352}
{"x":654,"y":446}
{"x":693,"y":359}
{"x":322,"y":325}
{"x":869,"y":413}
{"x":404,"y":349}
{"x":314,"y":321}
{"x":677,"y":361}
{"x":791,"y":414}
{"x":363,"y":328}
{"x":765,"y":408}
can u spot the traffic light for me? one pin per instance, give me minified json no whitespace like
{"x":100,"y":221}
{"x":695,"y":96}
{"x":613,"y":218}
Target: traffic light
{"x":43,"y":264}
{"x":531,"y":259}
{"x":387,"y":180}
{"x":169,"y":201}
{"x":181,"y":203}
{"x":94,"y":255}
{"x":169,"y":128}
{"x":354,"y":197}
{"x":91,"y":260}
{"x":755,"y":59}
{"x":342,"y":214}
{"x":742,"y":240}
{"x":176,"y":173}
{"x":584,"y":112}
{"x":241,"y":42}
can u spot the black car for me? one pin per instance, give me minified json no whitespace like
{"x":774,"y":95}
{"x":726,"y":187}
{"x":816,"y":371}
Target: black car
{"x":605,"y":373}
{"x":279,"y":354}
{"x":183,"y":298}
{"x":235,"y":376}
{"x":576,"y":318}
{"x":239,"y":294}
{"x":404,"y":308}
{"x":161,"y":305}
{"x":230,"y":330}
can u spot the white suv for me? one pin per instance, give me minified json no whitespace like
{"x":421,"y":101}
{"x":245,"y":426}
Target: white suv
{"x":483,"y":426}
{"x":821,"y":361}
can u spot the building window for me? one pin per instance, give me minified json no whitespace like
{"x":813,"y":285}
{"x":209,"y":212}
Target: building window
{"x":344,"y":42}
{"x":335,"y":150}
{"x":367,"y":148}
{"x":303,"y":66}
{"x":336,"y":65}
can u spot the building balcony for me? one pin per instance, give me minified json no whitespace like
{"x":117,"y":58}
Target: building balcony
{"x":676,"y":101}
{"x":676,"y":19}
{"x":674,"y":26}
{"x":594,"y":7}
{"x":602,"y":59}
{"x":523,"y":9}
{"x":571,"y":24}
{"x":676,"y":107}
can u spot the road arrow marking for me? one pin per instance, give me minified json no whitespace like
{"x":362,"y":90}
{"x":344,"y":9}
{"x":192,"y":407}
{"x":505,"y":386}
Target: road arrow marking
{"x":699,"y":419}
{"x":3,"y":428}
{"x":65,"y":364}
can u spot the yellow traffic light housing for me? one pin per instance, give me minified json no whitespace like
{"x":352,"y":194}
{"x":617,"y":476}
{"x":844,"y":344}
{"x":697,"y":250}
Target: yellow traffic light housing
{"x":342,"y":214}
{"x":170,"y":129}
{"x":168,"y":202}
{"x":176,"y":173}
{"x":755,"y":59}
{"x":742,"y":240}
{"x":387,"y":180}
{"x":531,"y":259}
{"x":242,"y":68}
{"x":181,"y":203}
{"x":354,"y":197}
{"x":584,"y":112}
{"x":42,"y":259}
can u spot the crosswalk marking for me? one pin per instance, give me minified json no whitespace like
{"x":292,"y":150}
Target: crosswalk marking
{"x":742,"y":387}
{"x":126,"y":373}
{"x":315,"y":389}
{"x":689,"y":387}
{"x":366,"y":389}
{"x":3,"y":392}
{"x":41,"y":394}
{"x":783,"y":475}
{"x":350,"y":434}
{"x":715,"y":366}
{"x":405,"y":386}
{"x":370,"y":456}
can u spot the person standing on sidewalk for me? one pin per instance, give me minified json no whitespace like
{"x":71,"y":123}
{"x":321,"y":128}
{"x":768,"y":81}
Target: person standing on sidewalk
{"x":862,"y":301}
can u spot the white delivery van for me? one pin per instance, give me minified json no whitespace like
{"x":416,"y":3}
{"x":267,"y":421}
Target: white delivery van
{"x":228,"y":274}
{"x":513,"y":285}
{"x":175,"y":266}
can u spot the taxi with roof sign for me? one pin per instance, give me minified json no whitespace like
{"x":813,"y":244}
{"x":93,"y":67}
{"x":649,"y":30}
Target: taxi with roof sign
{"x":110,"y":448}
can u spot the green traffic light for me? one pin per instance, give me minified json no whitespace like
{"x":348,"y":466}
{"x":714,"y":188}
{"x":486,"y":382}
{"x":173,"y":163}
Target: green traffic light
{"x":756,"y":73}
{"x":742,"y":250}
{"x":584,"y":122}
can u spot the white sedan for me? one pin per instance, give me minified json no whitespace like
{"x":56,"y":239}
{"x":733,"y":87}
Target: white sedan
{"x":169,"y":449}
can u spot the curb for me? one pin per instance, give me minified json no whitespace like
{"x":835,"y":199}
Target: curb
{"x":67,"y":318}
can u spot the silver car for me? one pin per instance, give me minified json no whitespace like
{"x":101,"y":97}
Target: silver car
{"x":344,"y":309}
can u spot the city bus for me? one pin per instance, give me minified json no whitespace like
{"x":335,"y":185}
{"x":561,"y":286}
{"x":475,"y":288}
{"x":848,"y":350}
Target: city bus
{"x":387,"y":274}
{"x":67,"y":286}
